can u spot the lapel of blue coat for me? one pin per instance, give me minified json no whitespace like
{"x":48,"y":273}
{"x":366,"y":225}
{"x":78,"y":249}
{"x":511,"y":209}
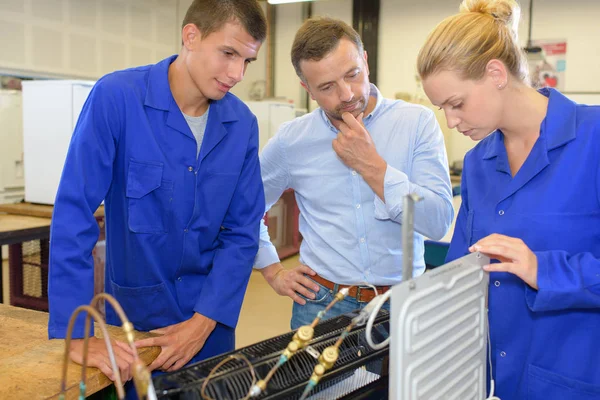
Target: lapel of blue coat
{"x":176,"y":120}
{"x":536,"y":162}
{"x":159,"y":96}
{"x":219,"y":123}
{"x":558,"y":128}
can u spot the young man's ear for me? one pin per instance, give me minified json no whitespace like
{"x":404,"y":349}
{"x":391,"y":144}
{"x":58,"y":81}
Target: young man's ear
{"x":189,"y":35}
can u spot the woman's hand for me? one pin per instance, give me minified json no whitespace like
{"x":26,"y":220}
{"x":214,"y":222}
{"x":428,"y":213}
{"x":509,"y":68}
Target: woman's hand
{"x":514,"y":256}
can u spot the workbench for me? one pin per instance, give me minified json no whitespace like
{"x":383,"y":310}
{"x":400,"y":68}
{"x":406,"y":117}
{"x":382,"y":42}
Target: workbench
{"x":31,"y":365}
{"x":23,"y":222}
{"x":15,"y":229}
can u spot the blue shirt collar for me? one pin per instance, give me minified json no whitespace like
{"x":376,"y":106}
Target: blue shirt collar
{"x":374,"y":92}
{"x":158,"y":85}
{"x":159,"y":96}
{"x":558,"y":128}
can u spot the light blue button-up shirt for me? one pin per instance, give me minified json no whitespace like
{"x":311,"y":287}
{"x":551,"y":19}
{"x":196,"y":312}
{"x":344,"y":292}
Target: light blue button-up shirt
{"x":349,"y":235}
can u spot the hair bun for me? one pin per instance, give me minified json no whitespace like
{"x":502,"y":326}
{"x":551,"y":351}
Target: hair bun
{"x":507,"y":12}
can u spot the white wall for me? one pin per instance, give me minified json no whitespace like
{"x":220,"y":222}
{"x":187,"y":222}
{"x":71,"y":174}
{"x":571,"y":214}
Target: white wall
{"x":84,"y":38}
{"x":405,"y":24}
{"x":89,"y":38}
{"x":289,"y":18}
{"x":577,"y":22}
{"x":287,"y":84}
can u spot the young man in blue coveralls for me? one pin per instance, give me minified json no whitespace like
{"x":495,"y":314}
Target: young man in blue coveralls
{"x":174,"y":156}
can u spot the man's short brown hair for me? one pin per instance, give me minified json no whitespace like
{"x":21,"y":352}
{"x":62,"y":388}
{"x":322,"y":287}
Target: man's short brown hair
{"x":318,"y":37}
{"x":210,"y":16}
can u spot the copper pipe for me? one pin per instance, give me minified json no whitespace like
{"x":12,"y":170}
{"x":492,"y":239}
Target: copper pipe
{"x":98,"y":318}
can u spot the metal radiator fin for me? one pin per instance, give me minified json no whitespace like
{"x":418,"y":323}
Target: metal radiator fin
{"x":358,"y":365}
{"x":439,"y":325}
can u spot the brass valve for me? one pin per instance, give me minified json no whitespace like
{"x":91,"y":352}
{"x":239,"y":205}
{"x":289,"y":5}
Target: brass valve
{"x":329,"y":357}
{"x":304,"y":334}
{"x":141,"y":379}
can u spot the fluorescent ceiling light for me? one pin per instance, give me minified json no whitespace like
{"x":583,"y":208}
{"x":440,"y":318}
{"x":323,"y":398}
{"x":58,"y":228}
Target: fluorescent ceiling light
{"x":285,"y":1}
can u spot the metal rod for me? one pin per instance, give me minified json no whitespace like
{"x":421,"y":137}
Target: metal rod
{"x":408,"y":233}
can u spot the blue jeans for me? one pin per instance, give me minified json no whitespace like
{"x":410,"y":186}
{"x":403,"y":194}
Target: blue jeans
{"x":304,"y":315}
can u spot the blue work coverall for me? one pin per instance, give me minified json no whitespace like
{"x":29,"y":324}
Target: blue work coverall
{"x":545,"y":342}
{"x":182,"y":231}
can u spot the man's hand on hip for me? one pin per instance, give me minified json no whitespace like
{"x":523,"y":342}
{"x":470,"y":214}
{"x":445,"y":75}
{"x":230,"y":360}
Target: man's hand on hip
{"x":179,"y":342}
{"x":290,"y":282}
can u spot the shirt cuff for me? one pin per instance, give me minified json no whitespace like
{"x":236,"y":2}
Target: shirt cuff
{"x":395,"y":186}
{"x":266,"y":256}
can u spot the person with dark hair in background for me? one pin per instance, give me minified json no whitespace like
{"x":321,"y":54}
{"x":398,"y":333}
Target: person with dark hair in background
{"x":350,"y":162}
{"x":174,"y":156}
{"x":530,"y":200}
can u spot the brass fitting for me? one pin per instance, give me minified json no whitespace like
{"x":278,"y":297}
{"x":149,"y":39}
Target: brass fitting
{"x":329,"y":357}
{"x":302,"y":336}
{"x":291,"y":349}
{"x":326,"y":361}
{"x":339,"y":296}
{"x":141,"y":379}
{"x":128,"y":329}
{"x":319,"y":370}
{"x":262,"y":385}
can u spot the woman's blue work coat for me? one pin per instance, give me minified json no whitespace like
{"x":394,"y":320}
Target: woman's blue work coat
{"x":182,"y":231}
{"x":545,"y":342}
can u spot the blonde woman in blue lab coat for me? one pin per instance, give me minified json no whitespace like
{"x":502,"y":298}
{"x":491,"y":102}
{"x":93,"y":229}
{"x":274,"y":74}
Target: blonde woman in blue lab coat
{"x":530,"y":200}
{"x":174,"y":156}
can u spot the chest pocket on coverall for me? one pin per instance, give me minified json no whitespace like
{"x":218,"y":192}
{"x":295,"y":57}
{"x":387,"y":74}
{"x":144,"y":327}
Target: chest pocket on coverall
{"x":149,"y":197}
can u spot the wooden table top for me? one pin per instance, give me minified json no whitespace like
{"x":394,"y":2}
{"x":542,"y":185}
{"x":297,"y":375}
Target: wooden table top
{"x":31,"y":365}
{"x":37,"y":210}
{"x":11,"y":222}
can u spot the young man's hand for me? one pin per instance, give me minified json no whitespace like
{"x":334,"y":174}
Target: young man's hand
{"x":179,"y":342}
{"x":98,"y":357}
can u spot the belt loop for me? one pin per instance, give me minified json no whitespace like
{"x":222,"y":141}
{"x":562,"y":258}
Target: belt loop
{"x":335,"y":288}
{"x":358,"y":290}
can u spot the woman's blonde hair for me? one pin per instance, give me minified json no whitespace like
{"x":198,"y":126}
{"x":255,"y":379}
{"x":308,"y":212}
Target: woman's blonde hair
{"x":483,"y":30}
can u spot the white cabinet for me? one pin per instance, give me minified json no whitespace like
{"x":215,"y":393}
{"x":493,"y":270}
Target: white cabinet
{"x":270,"y":115}
{"x":11,"y":147}
{"x":50,"y":111}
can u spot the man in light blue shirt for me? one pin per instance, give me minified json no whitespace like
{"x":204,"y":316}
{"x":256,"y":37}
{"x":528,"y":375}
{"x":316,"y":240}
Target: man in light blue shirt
{"x":350,"y":163}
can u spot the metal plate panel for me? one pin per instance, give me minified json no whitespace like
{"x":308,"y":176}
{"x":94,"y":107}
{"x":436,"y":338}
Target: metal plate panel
{"x":439,"y":333}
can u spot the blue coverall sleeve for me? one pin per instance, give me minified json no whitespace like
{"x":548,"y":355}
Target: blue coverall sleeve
{"x":224,"y":289}
{"x":565,"y":282}
{"x":85,"y":180}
